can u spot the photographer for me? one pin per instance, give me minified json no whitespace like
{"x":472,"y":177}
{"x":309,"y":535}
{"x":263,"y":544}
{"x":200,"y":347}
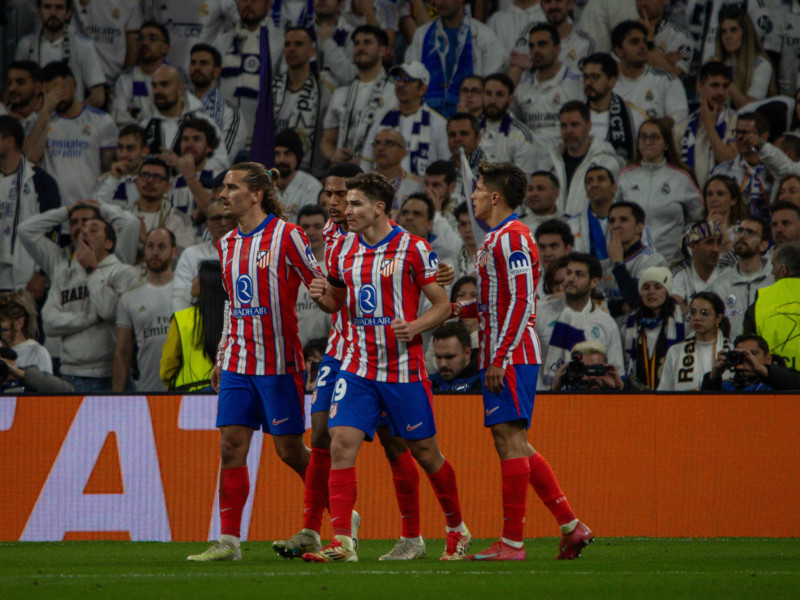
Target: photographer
{"x":588,"y":370}
{"x":753,"y":369}
{"x":14,"y":380}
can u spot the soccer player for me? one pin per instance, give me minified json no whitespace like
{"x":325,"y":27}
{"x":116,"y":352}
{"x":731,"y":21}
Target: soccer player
{"x":509,"y":358}
{"x":259,"y":370}
{"x":379,"y":273}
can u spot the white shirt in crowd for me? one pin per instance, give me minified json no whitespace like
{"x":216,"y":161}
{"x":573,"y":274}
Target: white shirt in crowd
{"x":187,"y":269}
{"x":304,"y":189}
{"x":656,"y":92}
{"x":31,"y":353}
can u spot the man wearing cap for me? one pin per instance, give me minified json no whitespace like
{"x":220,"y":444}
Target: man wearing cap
{"x":424,"y":130}
{"x":451,"y":47}
{"x":702,"y":243}
{"x":295,"y":188}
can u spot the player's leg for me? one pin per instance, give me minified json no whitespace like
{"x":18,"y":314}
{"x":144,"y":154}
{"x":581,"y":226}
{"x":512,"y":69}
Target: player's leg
{"x":405,"y":477}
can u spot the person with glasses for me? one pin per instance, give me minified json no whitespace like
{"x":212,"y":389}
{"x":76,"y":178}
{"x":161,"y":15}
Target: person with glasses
{"x":389,"y":150}
{"x":689,"y":361}
{"x":753,"y":270}
{"x":470,"y":96}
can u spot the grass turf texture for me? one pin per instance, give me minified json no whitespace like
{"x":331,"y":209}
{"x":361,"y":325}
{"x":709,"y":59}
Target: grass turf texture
{"x":610,"y":568}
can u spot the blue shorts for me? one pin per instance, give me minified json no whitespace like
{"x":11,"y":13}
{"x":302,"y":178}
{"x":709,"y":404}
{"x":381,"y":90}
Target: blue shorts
{"x":326,"y":380}
{"x":273,"y":403}
{"x":515,"y":400}
{"x":359,"y":402}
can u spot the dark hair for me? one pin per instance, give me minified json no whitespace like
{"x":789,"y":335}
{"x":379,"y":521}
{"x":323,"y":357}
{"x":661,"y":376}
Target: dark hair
{"x":507,"y":179}
{"x":597,"y":167}
{"x":56,"y":69}
{"x":719,"y":308}
{"x":156,"y":25}
{"x":765,"y":226}
{"x":550,"y":273}
{"x":380,"y":34}
{"x":258,"y":177}
{"x":788,"y":255}
{"x":203,"y":126}
{"x":216,"y":57}
{"x":157,"y":162}
{"x":135,"y":130}
{"x":468,"y":77}
{"x":636,"y":210}
{"x":606,"y":62}
{"x":670,"y":151}
{"x":550,"y":175}
{"x":464,"y":116}
{"x":422,"y":197}
{"x":459,"y":210}
{"x":714,"y":69}
{"x":461,"y":282}
{"x":576,"y":106}
{"x":442,"y":167}
{"x":752,"y":337}
{"x":311,"y":210}
{"x":784,"y":205}
{"x":10,"y":127}
{"x":665,"y":311}
{"x":317,"y":344}
{"x":555,"y":227}
{"x":549,"y":29}
{"x":109,"y":231}
{"x":19,"y":304}
{"x":170,"y":233}
{"x":67,"y":2}
{"x":82,"y":206}
{"x":454,"y":329}
{"x":29,"y":66}
{"x":621,"y":31}
{"x":738,"y":210}
{"x":791,"y":143}
{"x":376,"y":187}
{"x":759,"y":120}
{"x":210,"y":313}
{"x":344,"y":169}
{"x":502,"y":79}
{"x":305,"y":30}
{"x":590,"y":262}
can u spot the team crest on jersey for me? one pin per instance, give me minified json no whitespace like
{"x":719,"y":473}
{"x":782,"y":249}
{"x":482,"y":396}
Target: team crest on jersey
{"x":87,"y":131}
{"x":115,"y":14}
{"x":557,"y":100}
{"x":333,"y":409}
{"x":665,"y":189}
{"x":251,"y":64}
{"x":483,"y":258}
{"x":649,"y":96}
{"x":204,"y":9}
{"x":387,"y":267}
{"x":263,"y":258}
{"x":518,"y":263}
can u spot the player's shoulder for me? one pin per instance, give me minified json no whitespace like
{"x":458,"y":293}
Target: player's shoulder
{"x":661,"y":73}
{"x":579,"y":33}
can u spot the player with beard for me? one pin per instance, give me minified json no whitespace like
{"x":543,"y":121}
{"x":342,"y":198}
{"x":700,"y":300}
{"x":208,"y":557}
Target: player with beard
{"x":205,"y":67}
{"x":191,"y":192}
{"x":24,"y":92}
{"x":296,"y":188}
{"x":143,"y":316}
{"x":504,"y":138}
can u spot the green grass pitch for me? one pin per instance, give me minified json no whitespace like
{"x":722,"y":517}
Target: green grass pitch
{"x":610,"y":568}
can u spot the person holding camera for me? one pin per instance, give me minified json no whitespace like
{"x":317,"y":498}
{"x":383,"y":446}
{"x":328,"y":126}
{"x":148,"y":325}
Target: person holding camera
{"x":754,"y":369}
{"x":588,"y":370}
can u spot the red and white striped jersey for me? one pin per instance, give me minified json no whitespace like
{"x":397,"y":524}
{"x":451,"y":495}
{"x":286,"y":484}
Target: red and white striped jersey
{"x":384,"y":282}
{"x":508,"y":272}
{"x":262,"y":272}
{"x":336,"y":343}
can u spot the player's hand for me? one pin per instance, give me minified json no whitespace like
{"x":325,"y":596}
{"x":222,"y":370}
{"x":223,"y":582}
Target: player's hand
{"x":84,"y":254}
{"x":614,"y":247}
{"x":520,"y":60}
{"x":719,"y":367}
{"x":186,"y":166}
{"x":558,"y":378}
{"x":673,"y":57}
{"x":119,"y":168}
{"x":317,"y":288}
{"x":612,"y":380}
{"x":753,"y":141}
{"x":169,"y":157}
{"x":494,"y":379}
{"x":404,"y":330}
{"x":216,"y":375}
{"x":55,"y":96}
{"x":445,"y":274}
{"x":37,"y":285}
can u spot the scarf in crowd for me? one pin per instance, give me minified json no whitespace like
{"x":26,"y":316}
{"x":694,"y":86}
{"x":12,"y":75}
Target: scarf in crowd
{"x":444,"y":90}
{"x":689,"y":139}
{"x":419,"y":142}
{"x":754,"y":191}
{"x":621,"y":133}
{"x":305,"y":20}
{"x":9,"y":215}
{"x":687,"y":373}
{"x":305,"y":111}
{"x":597,"y":239}
{"x":35,"y":52}
{"x":645,"y":362}
{"x":505,"y":124}
{"x":245,"y":67}
{"x":214,"y":105}
{"x":569,"y":330}
{"x":355,"y":130}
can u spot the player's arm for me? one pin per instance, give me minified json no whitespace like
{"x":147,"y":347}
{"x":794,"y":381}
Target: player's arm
{"x":434,"y":316}
{"x":329,"y":293}
{"x":216,"y":373}
{"x":123,"y":356}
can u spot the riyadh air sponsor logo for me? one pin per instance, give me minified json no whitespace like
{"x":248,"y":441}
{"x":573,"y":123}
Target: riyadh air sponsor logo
{"x":277,"y":422}
{"x":244,"y":289}
{"x":413,"y":427}
{"x":367,"y":299}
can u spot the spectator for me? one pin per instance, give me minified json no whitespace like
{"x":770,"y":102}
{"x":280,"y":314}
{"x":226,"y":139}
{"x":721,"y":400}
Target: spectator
{"x":575,"y":43}
{"x":739,"y":47}
{"x":669,"y":46}
{"x":702,"y":243}
{"x":563,"y":322}
{"x":600,"y":17}
{"x":480,"y":53}
{"x":118,"y":186}
{"x":470,"y":96}
{"x":295,"y":188}
{"x":23,"y":91}
{"x":541,"y":199}
{"x":511,"y":24}
{"x":655,"y":326}
{"x":579,"y":150}
{"x":663,"y":186}
{"x":687,"y":362}
{"x":457,"y":364}
{"x":354,"y":108}
{"x":750,"y":173}
{"x":463,"y":131}
{"x":417,"y":217}
{"x":573,"y":375}
{"x":218,"y":223}
{"x":614,"y":119}
{"x":551,"y":282}
{"x":424,"y":130}
{"x":723,"y":204}
{"x":74,"y":141}
{"x":57,"y":40}
{"x":658,"y":93}
{"x":132,"y":99}
{"x":467,"y":255}
{"x":465,"y":290}
{"x":300,"y":101}
{"x":313,"y":353}
{"x":554,"y":240}
{"x":542,"y":92}
{"x":754,"y":369}
{"x":789,"y":189}
{"x":143,"y":317}
{"x":312,"y":322}
{"x":706,"y":138}
{"x":389,"y":150}
{"x":785,"y":223}
{"x":19,"y":328}
{"x":335,"y":44}
{"x":590,"y":227}
{"x":194,"y":334}
{"x":205,"y":68}
{"x":504,"y":138}
{"x":191,"y":191}
{"x":81,"y":307}
{"x":439,"y":184}
{"x":25,"y":190}
{"x":738,"y":286}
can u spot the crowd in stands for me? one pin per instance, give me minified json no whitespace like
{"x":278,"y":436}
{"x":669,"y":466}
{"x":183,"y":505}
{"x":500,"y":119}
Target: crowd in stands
{"x":661,"y":139}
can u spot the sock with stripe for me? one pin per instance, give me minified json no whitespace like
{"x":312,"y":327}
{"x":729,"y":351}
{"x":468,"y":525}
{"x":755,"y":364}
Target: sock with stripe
{"x":546,"y":486}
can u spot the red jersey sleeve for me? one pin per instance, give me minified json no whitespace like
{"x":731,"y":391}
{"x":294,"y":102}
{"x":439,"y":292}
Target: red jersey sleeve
{"x":424,"y":261}
{"x":300,"y":257}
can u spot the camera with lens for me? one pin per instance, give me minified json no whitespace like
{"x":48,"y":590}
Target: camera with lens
{"x":8,"y":354}
{"x":577,"y":372}
{"x":733,"y":358}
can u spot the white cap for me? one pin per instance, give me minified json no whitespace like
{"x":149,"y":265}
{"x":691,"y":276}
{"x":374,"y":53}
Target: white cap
{"x":660,"y":275}
{"x":413,"y":69}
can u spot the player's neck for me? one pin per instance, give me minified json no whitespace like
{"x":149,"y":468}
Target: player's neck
{"x":250,"y":221}
{"x":564,"y":29}
{"x":631,"y":71}
{"x":150,"y":205}
{"x":499,"y":214}
{"x":454,"y":21}
{"x":704,"y":271}
{"x":578,"y":303}
{"x":73,"y":111}
{"x":601,"y":208}
{"x":199,"y":92}
{"x":151,"y":66}
{"x":23,"y":111}
{"x":52,"y":36}
{"x":331,"y":19}
{"x":370,"y":73}
{"x":601,"y":104}
{"x":160,"y":279}
{"x":548,"y":73}
{"x":176,"y":110}
{"x":284,"y":182}
{"x":751,"y":264}
{"x":411,"y":107}
{"x":296,"y":77}
{"x":392,"y":171}
{"x":377,"y":231}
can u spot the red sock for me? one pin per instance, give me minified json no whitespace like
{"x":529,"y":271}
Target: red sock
{"x":343,"y":489}
{"x":316,"y":492}
{"x":234,"y":487}
{"x":446,"y":490}
{"x":516,"y":472}
{"x":406,"y":488}
{"x":545,"y":484}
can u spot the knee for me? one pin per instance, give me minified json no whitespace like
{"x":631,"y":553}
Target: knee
{"x":293,"y":452}
{"x":393,"y":448}
{"x":428,"y":457}
{"x":321,"y":439}
{"x":232,"y":450}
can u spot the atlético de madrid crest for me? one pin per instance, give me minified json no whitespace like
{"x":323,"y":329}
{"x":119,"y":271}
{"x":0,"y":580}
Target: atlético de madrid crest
{"x":387,"y":267}
{"x":263,"y":258}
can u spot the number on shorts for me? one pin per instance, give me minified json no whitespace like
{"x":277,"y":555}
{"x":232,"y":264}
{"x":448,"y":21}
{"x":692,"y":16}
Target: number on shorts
{"x":323,"y":373}
{"x":340,"y":390}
